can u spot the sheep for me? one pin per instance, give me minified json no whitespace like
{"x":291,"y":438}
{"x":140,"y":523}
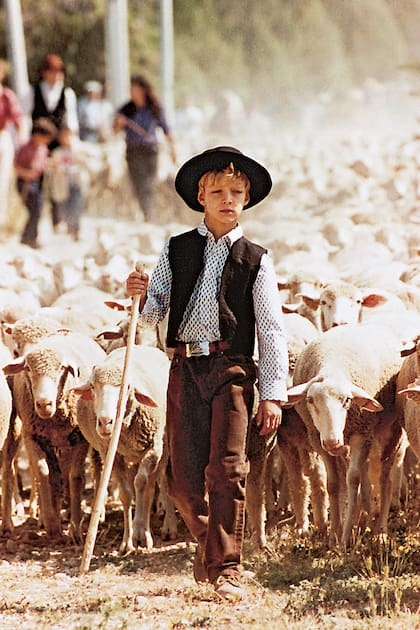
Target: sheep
{"x":113,"y":337}
{"x":298,"y":284}
{"x":408,"y":388}
{"x":20,"y":336}
{"x":46,"y":405}
{"x":303,"y":466}
{"x":345,"y":303}
{"x":299,"y":332}
{"x":5,"y":398}
{"x":305,"y":476}
{"x":339,"y":378}
{"x":142,"y":436}
{"x":24,"y":332}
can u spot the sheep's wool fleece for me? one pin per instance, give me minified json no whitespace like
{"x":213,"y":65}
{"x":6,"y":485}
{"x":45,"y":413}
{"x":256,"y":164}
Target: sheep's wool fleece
{"x":108,"y":375}
{"x":45,"y":361}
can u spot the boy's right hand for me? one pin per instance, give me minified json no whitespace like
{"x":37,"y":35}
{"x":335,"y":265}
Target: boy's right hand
{"x":137,"y":283}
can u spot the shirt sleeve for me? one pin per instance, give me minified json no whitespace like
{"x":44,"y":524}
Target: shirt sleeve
{"x":71,"y":118}
{"x":163,"y":123}
{"x":159,"y":291}
{"x":273,"y":363}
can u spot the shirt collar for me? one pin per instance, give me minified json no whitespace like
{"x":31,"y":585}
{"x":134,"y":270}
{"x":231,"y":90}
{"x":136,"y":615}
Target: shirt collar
{"x":231,"y":237}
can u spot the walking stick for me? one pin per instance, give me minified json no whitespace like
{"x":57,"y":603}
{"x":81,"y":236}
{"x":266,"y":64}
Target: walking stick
{"x":113,"y":443}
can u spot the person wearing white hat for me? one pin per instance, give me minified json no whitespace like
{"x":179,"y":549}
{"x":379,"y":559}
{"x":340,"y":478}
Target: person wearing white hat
{"x":94,"y":113}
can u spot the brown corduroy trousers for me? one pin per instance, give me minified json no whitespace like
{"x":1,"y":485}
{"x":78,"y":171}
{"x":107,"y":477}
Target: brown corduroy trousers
{"x":209,"y":407}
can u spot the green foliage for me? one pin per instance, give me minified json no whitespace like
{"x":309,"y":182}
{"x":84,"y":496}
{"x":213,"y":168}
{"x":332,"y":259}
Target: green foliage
{"x":271,"y":52}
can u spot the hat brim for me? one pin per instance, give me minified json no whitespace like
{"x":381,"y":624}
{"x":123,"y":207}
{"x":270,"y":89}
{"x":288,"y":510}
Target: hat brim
{"x":188,"y":176}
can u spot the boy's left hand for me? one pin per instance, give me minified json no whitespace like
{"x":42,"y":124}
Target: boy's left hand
{"x":268,"y":416}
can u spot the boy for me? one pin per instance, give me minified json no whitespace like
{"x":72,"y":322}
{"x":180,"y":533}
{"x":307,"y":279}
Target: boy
{"x":66,"y":171}
{"x":218,"y":287}
{"x":30,"y":163}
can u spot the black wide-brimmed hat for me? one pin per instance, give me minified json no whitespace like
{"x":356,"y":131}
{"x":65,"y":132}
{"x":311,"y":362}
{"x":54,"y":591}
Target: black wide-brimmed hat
{"x":188,"y":176}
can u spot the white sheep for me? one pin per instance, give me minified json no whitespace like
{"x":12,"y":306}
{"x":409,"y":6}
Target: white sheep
{"x":45,"y":403}
{"x":142,"y":436}
{"x":304,"y":468}
{"x":339,"y":378}
{"x":342,"y":303}
{"x":5,"y":398}
{"x":345,"y":303}
{"x":20,"y":336}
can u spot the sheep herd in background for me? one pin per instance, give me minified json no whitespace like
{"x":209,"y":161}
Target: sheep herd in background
{"x":343,"y":227}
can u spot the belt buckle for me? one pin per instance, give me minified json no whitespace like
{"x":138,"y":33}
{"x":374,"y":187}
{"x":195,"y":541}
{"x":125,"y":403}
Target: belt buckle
{"x":197,"y":349}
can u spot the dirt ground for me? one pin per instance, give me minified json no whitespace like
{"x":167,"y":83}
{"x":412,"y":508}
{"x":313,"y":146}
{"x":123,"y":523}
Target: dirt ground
{"x":298,"y":584}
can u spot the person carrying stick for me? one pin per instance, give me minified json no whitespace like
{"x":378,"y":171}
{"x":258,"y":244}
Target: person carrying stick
{"x":219,"y":288}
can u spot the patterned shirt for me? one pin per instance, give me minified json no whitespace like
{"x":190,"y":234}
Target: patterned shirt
{"x":201,"y":317}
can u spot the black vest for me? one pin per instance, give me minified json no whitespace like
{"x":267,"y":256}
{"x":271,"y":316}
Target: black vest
{"x":40,"y":109}
{"x":236,"y":309}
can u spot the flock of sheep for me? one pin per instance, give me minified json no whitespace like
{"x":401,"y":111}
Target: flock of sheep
{"x":343,"y":227}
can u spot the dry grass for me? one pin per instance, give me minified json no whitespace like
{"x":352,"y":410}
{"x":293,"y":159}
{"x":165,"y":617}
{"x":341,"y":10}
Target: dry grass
{"x":298,"y":583}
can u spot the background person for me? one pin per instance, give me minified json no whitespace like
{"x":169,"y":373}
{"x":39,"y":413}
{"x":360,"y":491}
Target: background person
{"x":95,"y":114}
{"x":30,"y":163}
{"x":66,"y":171}
{"x":11,"y":118}
{"x":52,"y":99}
{"x":140,"y":118}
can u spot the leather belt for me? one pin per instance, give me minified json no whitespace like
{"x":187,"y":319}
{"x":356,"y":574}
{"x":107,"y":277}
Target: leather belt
{"x":201,"y":348}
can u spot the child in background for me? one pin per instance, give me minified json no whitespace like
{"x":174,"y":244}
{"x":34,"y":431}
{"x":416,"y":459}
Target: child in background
{"x":65,"y":179}
{"x":30,"y":163}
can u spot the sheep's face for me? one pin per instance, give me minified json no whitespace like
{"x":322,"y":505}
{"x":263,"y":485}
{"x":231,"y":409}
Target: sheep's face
{"x":328,"y":407}
{"x":337,"y":310}
{"x":47,"y":376}
{"x":105,"y":403}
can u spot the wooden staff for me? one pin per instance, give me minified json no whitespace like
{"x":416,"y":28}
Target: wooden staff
{"x":113,"y":443}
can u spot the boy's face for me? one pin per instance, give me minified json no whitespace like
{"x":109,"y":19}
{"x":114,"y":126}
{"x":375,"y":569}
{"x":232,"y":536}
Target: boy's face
{"x":223,"y":200}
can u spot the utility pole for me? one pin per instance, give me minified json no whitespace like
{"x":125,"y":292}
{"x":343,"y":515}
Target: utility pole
{"x":16,"y":48}
{"x":117,"y":52}
{"x":167,"y":57}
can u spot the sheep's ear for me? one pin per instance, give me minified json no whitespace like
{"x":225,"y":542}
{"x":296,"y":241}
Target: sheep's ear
{"x":289,"y":308}
{"x":111,"y":333}
{"x":14,"y":367}
{"x":296,"y":394}
{"x":74,"y":370}
{"x":84,"y":391}
{"x":116,"y":306}
{"x":374,"y":299}
{"x":145,"y":399}
{"x":412,"y":391}
{"x":364,"y":400}
{"x":408,"y":347}
{"x":311,"y":302}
